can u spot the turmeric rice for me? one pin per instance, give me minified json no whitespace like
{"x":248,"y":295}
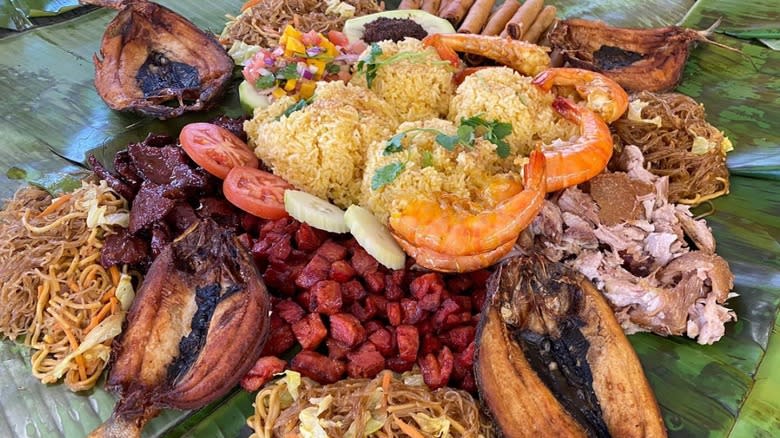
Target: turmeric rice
{"x":321,"y":148}
{"x":431,"y":172}
{"x":410,"y":78}
{"x":502,"y":94}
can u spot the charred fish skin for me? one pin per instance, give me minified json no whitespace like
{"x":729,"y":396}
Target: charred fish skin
{"x":199,"y":322}
{"x":154,"y":62}
{"x":543,"y":366}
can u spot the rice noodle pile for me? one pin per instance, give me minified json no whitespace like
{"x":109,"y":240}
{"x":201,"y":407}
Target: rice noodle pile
{"x":54,"y":290}
{"x":671,"y":131}
{"x":263,"y":24}
{"x":387,"y":406}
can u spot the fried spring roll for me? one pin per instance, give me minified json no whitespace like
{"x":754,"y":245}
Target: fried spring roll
{"x":542,"y":22}
{"x":525,"y":15}
{"x":431,"y":6}
{"x":477,"y":16}
{"x":501,"y":17}
{"x":456,"y":10}
{"x":410,"y":4}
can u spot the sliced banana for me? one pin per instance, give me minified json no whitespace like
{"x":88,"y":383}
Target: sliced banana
{"x":374,"y":237}
{"x":314,"y":211}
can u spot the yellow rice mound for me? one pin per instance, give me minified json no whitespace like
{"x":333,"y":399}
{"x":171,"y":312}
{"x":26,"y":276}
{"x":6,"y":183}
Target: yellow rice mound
{"x":321,"y":148}
{"x":463,"y":174}
{"x":419,"y":87}
{"x":502,"y":94}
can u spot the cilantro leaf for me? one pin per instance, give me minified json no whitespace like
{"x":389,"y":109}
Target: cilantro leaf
{"x":370,"y":64}
{"x":332,"y":68}
{"x":299,"y":105}
{"x":502,"y":147}
{"x":386,"y":174}
{"x":427,"y":159}
{"x":501,"y":129}
{"x":264,"y":82}
{"x":466,"y":135}
{"x":447,"y":141}
{"x":394,"y":144}
{"x":290,"y":71}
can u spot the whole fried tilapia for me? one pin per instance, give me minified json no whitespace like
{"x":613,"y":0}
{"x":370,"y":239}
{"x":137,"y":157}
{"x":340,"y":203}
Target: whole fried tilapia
{"x":197,"y":325}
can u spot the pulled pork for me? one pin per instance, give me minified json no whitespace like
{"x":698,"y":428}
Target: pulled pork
{"x":621,"y":232}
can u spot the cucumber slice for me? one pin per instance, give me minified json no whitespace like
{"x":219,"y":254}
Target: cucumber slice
{"x":314,"y":211}
{"x":250,"y":98}
{"x":374,"y":237}
{"x":353,"y":28}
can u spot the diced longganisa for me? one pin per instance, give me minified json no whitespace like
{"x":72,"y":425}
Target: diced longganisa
{"x":341,"y":271}
{"x":347,"y":329}
{"x":437,"y":369}
{"x":364,"y":363}
{"x":317,"y":367}
{"x":289,"y":311}
{"x":332,"y":251}
{"x":383,"y":341}
{"x":262,"y":372}
{"x":310,"y":331}
{"x":551,"y":358}
{"x":325,"y":297}
{"x":408,"y":340}
{"x":280,"y":338}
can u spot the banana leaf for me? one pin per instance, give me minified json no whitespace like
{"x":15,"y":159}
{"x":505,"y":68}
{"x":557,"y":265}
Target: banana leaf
{"x":52,"y":118}
{"x":16,"y":14}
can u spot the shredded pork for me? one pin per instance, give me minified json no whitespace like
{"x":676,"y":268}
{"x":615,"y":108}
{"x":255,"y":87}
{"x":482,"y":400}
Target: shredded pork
{"x":643,"y":264}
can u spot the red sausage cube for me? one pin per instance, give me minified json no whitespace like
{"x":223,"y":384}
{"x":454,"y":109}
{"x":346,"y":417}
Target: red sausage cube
{"x":332,"y":251}
{"x":326,"y":297}
{"x":317,"y":367}
{"x":316,"y":270}
{"x":383,"y":341}
{"x":352,"y":291}
{"x":347,"y":329}
{"x":262,"y":372}
{"x":307,"y":238}
{"x":394,"y":313}
{"x":289,"y":311}
{"x":341,"y":271}
{"x":364,"y":364}
{"x":363,"y":262}
{"x":408,"y":339}
{"x":310,"y":331}
{"x":375,"y":282}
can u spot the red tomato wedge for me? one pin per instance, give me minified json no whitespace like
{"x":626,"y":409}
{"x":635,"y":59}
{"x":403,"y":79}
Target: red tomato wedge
{"x":338,"y":38}
{"x":256,"y":192}
{"x":215,"y":148}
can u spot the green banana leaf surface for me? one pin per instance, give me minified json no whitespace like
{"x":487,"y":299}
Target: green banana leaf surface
{"x":51,"y":118}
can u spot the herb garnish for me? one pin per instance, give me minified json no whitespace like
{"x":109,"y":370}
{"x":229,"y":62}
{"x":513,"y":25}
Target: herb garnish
{"x":332,"y":68}
{"x":299,"y":105}
{"x":290,"y":71}
{"x":492,"y":131}
{"x":371,"y":64}
{"x":427,"y":159}
{"x":386,"y":174}
{"x":264,"y":82}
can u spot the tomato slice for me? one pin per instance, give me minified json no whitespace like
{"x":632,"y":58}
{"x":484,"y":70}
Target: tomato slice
{"x":256,"y":192}
{"x":338,"y":38}
{"x":215,"y":148}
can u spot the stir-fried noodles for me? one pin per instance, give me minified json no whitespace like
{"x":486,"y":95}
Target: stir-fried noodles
{"x":677,"y":141}
{"x":54,"y":290}
{"x":388,"y":406}
{"x":263,"y":23}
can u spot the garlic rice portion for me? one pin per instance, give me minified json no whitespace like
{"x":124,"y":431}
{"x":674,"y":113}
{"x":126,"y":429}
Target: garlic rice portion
{"x":411,"y":78}
{"x":467,"y":176}
{"x":502,"y":94}
{"x":321,"y":148}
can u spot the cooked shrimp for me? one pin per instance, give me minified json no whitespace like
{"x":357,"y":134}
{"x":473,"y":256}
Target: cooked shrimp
{"x":452,"y":263}
{"x":526,"y":58}
{"x":578,"y":160}
{"x":445,"y":227}
{"x":602,"y":94}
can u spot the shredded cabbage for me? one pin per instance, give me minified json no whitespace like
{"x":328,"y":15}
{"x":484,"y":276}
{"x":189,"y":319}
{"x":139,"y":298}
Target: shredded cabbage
{"x":342,"y":9}
{"x":107,"y":329}
{"x":310,"y":426}
{"x":125,"y":292}
{"x":635,"y":108}
{"x":242,"y":52}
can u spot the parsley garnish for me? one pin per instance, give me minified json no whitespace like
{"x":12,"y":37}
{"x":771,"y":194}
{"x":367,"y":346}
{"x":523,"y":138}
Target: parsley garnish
{"x":290,"y":71}
{"x":299,"y":105}
{"x":386,"y":174}
{"x":264,"y":82}
{"x":332,"y":68}
{"x":427,"y":159}
{"x":370,"y":64}
{"x":492,"y":131}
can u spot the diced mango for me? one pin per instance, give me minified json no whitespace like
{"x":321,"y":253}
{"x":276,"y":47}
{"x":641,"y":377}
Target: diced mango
{"x":307,"y":89}
{"x":290,"y":85}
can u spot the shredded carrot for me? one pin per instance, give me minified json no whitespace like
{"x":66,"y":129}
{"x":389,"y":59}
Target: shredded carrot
{"x":107,"y":296}
{"x":104,"y":311}
{"x":72,"y":285}
{"x":55,"y":204}
{"x":114,"y":305}
{"x":386,"y":381}
{"x":407,"y":429}
{"x":249,"y":4}
{"x":115,"y":275}
{"x":91,"y":276}
{"x":74,"y":344}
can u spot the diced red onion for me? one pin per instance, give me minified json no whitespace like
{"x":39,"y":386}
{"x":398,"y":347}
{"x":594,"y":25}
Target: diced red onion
{"x":313,"y":51}
{"x":307,"y":74}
